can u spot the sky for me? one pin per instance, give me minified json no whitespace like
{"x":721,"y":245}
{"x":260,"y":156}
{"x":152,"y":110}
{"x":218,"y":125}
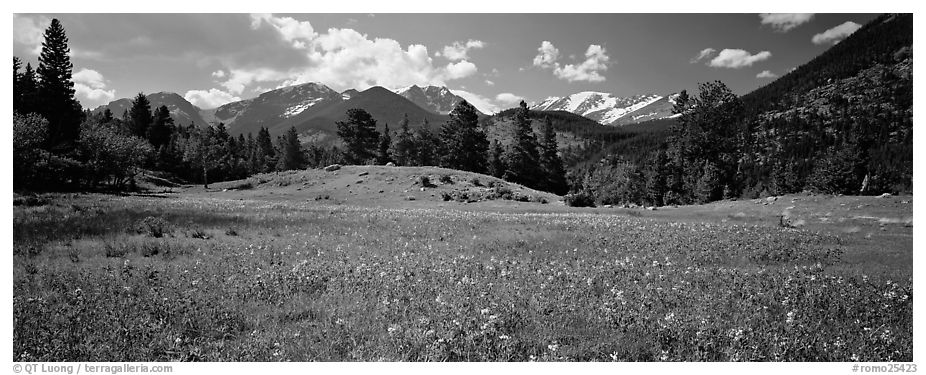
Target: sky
{"x":492,"y":60}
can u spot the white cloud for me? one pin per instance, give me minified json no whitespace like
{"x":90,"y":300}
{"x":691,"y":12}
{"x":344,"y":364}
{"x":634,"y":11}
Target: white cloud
{"x":737,"y":58}
{"x":547,"y":55}
{"x":209,"y":99}
{"x":296,"y":32}
{"x":782,"y":22}
{"x":766,"y":74}
{"x":218,"y":74}
{"x":705,"y":53}
{"x":30,"y":31}
{"x":490,"y":82}
{"x":90,"y":88}
{"x":836,"y":34}
{"x":238,"y":79}
{"x":459,"y":70}
{"x":459,"y":50}
{"x":345,"y":58}
{"x":596,"y":61}
{"x":481,"y":103}
{"x":508,"y":99}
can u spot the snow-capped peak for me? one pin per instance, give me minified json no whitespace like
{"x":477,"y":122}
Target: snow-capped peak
{"x":609,"y":109}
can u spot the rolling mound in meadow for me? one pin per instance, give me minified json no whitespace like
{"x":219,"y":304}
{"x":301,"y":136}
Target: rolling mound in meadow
{"x":379,"y":185}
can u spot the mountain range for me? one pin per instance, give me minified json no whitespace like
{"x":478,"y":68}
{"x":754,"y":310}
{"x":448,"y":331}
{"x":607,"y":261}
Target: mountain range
{"x":609,"y":109}
{"x":313,"y":108}
{"x":182,"y":111}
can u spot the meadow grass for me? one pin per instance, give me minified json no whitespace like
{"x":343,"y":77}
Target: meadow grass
{"x":250,"y":280}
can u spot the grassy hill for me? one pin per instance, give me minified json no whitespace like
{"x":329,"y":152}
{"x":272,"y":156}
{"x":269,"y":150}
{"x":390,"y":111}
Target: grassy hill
{"x":380,"y":186}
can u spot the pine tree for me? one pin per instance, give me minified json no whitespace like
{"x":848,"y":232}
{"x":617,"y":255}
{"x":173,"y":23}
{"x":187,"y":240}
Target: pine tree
{"x":56,"y":89}
{"x":107,"y":116}
{"x":383,"y":155}
{"x":359,"y":135}
{"x":293,"y":156}
{"x":496,"y":159}
{"x":161,"y":127}
{"x":656,"y":177}
{"x":17,"y":78}
{"x":140,"y":116}
{"x":709,"y":187}
{"x":264,"y":153}
{"x":28,"y":91}
{"x":404,"y":149}
{"x":465,"y":146}
{"x":427,"y":146}
{"x":522,"y":158}
{"x":550,"y":161}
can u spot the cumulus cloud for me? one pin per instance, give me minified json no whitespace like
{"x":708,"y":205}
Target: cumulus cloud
{"x":766,"y":74}
{"x":459,"y":50}
{"x":90,"y":88}
{"x":344,"y":58}
{"x":705,"y":53}
{"x":546,"y":56}
{"x":238,"y":79}
{"x":211,"y":98}
{"x":481,"y":103}
{"x":596,"y":61}
{"x":737,"y":58}
{"x":218,"y":74}
{"x":490,"y":82}
{"x":836,"y":34}
{"x":296,"y":32}
{"x":29,"y":32}
{"x":783,"y":22}
{"x":459,"y":70}
{"x":508,"y":99}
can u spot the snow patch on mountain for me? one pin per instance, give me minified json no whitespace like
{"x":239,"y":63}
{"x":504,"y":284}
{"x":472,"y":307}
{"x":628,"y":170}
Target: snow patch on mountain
{"x":298,"y":108}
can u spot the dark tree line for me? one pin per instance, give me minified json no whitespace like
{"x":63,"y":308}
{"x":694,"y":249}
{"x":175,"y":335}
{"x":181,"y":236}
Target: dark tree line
{"x":460,"y":144}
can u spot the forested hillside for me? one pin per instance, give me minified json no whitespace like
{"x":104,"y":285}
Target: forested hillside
{"x":841,"y":124}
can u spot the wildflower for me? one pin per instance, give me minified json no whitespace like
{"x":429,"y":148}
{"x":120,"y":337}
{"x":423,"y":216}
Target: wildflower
{"x":790,"y":319}
{"x":504,"y":337}
{"x":553,"y":347}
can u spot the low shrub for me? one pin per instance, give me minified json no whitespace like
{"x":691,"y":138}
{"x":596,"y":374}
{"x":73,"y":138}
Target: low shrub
{"x":153,"y":226}
{"x":580,"y":200}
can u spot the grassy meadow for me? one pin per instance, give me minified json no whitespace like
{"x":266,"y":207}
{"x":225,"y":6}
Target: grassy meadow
{"x":199,"y":277}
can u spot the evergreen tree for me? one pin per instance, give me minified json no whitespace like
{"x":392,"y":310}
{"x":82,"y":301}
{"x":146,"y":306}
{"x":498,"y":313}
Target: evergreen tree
{"x":292,"y":156}
{"x":161,"y":127}
{"x":427,"y":146}
{"x":56,"y":89}
{"x":17,"y":78}
{"x":709,"y":187}
{"x":28,"y":92}
{"x":496,"y":159}
{"x":404,"y":149}
{"x":550,"y":161}
{"x":522,"y":157}
{"x":465,"y":146}
{"x":382,"y":153}
{"x":140,"y":116}
{"x":656,"y":177}
{"x":359,"y":135}
{"x":108,"y":116}
{"x":264,"y":152}
{"x":711,"y":129}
